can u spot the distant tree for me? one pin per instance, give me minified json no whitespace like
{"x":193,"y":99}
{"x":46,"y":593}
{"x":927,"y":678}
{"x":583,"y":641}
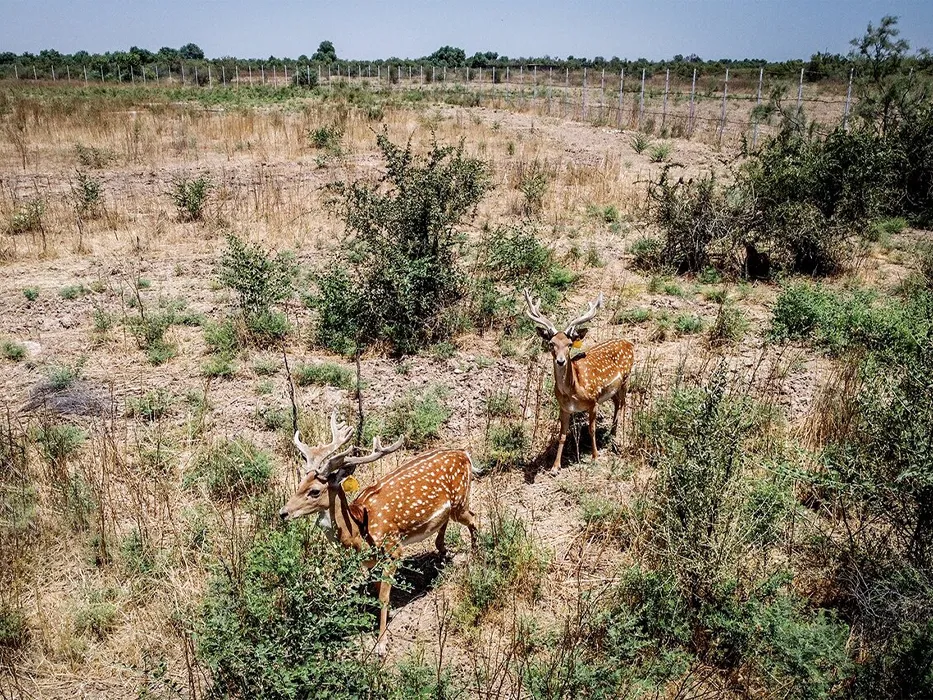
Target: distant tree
{"x":882,"y":85}
{"x":167,"y":53}
{"x":326,"y":53}
{"x":449,"y":56}
{"x":191,"y":52}
{"x":145,"y":56}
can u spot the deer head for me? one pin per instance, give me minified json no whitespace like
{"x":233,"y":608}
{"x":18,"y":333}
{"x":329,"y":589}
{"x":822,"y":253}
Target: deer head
{"x":560,"y":342}
{"x":324,"y":471}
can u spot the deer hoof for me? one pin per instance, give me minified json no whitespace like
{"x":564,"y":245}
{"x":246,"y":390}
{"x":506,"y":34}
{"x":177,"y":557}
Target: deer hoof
{"x":380,"y":648}
{"x":554,"y":471}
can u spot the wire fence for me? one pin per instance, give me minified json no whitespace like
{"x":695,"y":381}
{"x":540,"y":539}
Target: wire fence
{"x":718,"y":108}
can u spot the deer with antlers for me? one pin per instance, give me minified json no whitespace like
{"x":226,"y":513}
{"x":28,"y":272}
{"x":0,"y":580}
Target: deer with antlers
{"x":585,"y":380}
{"x":406,"y":506}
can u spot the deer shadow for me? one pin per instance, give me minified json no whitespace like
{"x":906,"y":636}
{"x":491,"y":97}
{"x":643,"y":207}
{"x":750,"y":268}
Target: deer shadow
{"x":416,"y":576}
{"x":576,"y":449}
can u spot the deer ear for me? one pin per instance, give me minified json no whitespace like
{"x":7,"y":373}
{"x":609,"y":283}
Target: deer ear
{"x":579,"y":334}
{"x":544,"y":333}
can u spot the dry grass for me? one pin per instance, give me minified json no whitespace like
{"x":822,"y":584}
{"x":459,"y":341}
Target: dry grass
{"x":140,"y":542}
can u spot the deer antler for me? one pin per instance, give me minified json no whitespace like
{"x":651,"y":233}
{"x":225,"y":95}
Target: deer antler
{"x":341,"y":460}
{"x":339,"y":433}
{"x":534,"y":313}
{"x":590,"y":313}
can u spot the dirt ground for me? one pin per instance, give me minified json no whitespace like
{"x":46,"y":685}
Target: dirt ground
{"x":269,"y":191}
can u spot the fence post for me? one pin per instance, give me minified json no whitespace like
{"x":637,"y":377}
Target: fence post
{"x":621,"y":92}
{"x":132,"y":75}
{"x":566,"y":91}
{"x":285,"y":68}
{"x":534,"y":84}
{"x":584,"y":93}
{"x":53,"y":72}
{"x":143,"y":71}
{"x":845,"y":116}
{"x":433,"y":74}
{"x":667,"y":86}
{"x":722,"y":116}
{"x":195,"y":74}
{"x":602,"y":93}
{"x":421,"y":72}
{"x":102,"y":72}
{"x":799,"y":92}
{"x":693,"y":91}
{"x":641,"y":100}
{"x":16,"y":71}
{"x":68,"y":68}
{"x":156,"y":74}
{"x":761,"y":75}
{"x":85,"y":75}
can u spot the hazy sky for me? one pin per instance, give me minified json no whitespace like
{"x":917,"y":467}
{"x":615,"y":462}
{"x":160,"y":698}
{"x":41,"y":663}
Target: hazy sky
{"x":362,"y":29}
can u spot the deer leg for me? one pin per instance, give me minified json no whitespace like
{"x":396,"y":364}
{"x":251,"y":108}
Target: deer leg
{"x":439,"y":541}
{"x":564,"y":429}
{"x":468,"y":518}
{"x":593,"y":414}
{"x":385,"y":588}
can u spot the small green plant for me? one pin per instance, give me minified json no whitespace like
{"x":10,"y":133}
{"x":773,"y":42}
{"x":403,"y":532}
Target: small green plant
{"x":136,"y":554}
{"x":230,"y":469}
{"x":61,"y":377}
{"x":326,"y":138}
{"x":14,"y":629}
{"x":11,"y":350}
{"x":661,"y":284}
{"x":57,"y":442}
{"x":417,"y":415}
{"x":632,"y":317}
{"x":190,"y":196}
{"x":151,"y":406}
{"x":27,"y":218}
{"x":97,"y":616}
{"x":73,"y":291}
{"x":533,"y":183}
{"x":660,"y":152}
{"x":730,"y":326}
{"x":222,"y":338}
{"x":31,"y":293}
{"x":272,"y":418}
{"x":640,"y":142}
{"x":218,"y":367}
{"x":260,"y":281}
{"x":324,"y":374}
{"x":646,"y":253}
{"x":506,"y":445}
{"x":501,"y":404}
{"x":688,"y":324}
{"x":86,"y":193}
{"x":91,"y":157}
{"x":265,"y":366}
{"x":509,"y":564}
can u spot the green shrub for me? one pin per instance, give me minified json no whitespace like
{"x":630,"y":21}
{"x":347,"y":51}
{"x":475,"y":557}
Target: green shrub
{"x":222,"y":338}
{"x":324,"y":374}
{"x":230,"y":469}
{"x":508,"y":564}
{"x":96,"y":617}
{"x":647,"y":253}
{"x":259,"y":280}
{"x":688,"y":324}
{"x":640,"y":142}
{"x":533,"y":183}
{"x":730,"y":326}
{"x":660,"y":152}
{"x":13,"y":351}
{"x":86,"y":193}
{"x":151,"y":406}
{"x":506,"y":445}
{"x":396,"y":278}
{"x":190,"y":196}
{"x":417,"y":415}
{"x":631,"y":316}
{"x":501,"y":403}
{"x":136,"y":554}
{"x":73,"y":291}
{"x":326,"y":138}
{"x":286,"y":620}
{"x":61,"y":377}
{"x":27,"y":218}
{"x":218,"y":367}
{"x":14,"y":630}
{"x":839,"y":321}
{"x":880,"y":229}
{"x":271,"y":418}
{"x":270,"y":327}
{"x":31,"y":293}
{"x":59,"y":441}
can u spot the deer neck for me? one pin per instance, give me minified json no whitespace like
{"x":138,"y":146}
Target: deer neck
{"x":344,"y":527}
{"x":565,"y":378}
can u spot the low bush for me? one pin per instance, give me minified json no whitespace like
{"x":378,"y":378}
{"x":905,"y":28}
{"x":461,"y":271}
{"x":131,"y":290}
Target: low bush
{"x":508,"y":564}
{"x":13,"y":351}
{"x":417,"y":415}
{"x":190,"y":196}
{"x":506,"y":445}
{"x":647,"y":253}
{"x":286,"y":621}
{"x":324,"y":374}
{"x":230,"y":469}
{"x":396,"y":279}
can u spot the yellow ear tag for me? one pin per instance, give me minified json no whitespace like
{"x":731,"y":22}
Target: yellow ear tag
{"x":350,"y":484}
{"x":578,"y":344}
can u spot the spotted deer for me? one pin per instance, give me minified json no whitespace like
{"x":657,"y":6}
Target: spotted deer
{"x":406,"y":506}
{"x":585,"y":380}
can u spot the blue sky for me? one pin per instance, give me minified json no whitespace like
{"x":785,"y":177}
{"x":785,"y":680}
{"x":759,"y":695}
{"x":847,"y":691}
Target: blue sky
{"x":363,"y":29}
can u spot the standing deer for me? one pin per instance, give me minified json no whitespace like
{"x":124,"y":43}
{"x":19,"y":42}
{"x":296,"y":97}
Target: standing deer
{"x":583,"y":381}
{"x":406,"y":506}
